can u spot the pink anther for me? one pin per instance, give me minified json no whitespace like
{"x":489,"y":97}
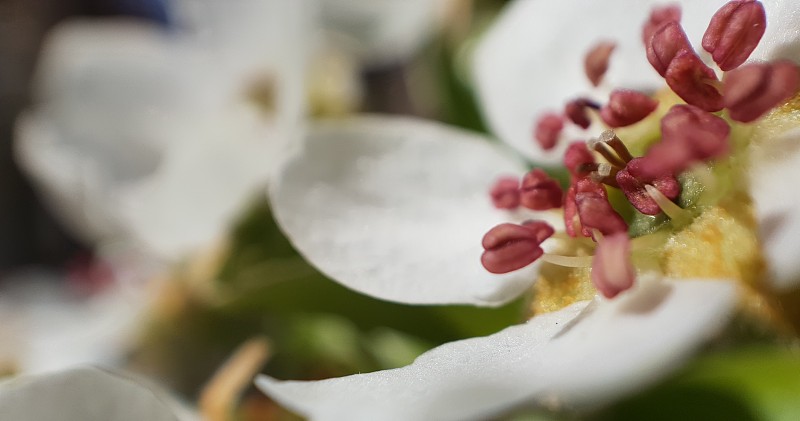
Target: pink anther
{"x":548,"y":129}
{"x":572,"y":222}
{"x":631,"y":181}
{"x":734,"y":32}
{"x":543,"y":229}
{"x":577,"y":111}
{"x":688,"y":135}
{"x":694,"y":82}
{"x":576,"y":158}
{"x":626,"y":107}
{"x":612,"y":269}
{"x":505,"y":193}
{"x":595,"y":64}
{"x":508,"y":247}
{"x":754,"y":89}
{"x":539,"y":191}
{"x":658,"y":17}
{"x":665,"y":44}
{"x":594,"y":209}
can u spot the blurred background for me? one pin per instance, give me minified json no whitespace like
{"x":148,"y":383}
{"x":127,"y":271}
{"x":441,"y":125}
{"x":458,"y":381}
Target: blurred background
{"x":85,"y":273}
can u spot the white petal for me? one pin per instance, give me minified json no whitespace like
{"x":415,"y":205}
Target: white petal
{"x":204,"y":182}
{"x":396,"y":208}
{"x":151,"y":134}
{"x":46,"y":326}
{"x":245,"y":41}
{"x":577,"y":357}
{"x":781,"y":39}
{"x":531,"y":60}
{"x":382,"y":31}
{"x":84,"y":394}
{"x":106,"y":93}
{"x":773,"y":180}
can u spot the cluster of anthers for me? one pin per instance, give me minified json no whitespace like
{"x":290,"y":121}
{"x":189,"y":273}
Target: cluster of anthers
{"x":690,"y":134}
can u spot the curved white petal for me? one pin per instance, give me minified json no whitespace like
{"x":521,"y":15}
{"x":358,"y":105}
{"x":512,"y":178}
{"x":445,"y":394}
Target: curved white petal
{"x":85,"y":394}
{"x":47,"y":327}
{"x":153,"y":134}
{"x":106,"y":92}
{"x":396,"y":208}
{"x":382,"y":31}
{"x":204,"y":182}
{"x":781,"y":39}
{"x":577,"y":357}
{"x":531,"y":60}
{"x":251,"y":41}
{"x":773,"y":179}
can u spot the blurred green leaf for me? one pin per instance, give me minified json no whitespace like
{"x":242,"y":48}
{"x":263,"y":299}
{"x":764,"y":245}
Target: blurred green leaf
{"x":752,"y":383}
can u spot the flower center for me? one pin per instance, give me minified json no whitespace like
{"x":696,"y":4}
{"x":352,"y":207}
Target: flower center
{"x":261,"y":92}
{"x":664,"y":193}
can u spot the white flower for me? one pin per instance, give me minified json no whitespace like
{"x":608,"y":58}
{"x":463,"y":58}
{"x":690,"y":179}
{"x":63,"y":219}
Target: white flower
{"x":396,"y":208}
{"x":48,"y":325}
{"x":154,"y":133}
{"x":163,"y":134}
{"x":87,"y":394}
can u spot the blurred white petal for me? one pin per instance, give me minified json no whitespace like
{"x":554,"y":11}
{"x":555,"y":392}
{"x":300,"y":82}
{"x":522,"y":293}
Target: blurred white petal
{"x":88,"y":393}
{"x":383,"y":31}
{"x":136,"y":125}
{"x":773,"y":179}
{"x":48,"y":326}
{"x":578,"y":357}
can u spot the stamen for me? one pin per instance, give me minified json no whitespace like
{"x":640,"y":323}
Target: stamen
{"x":665,"y":44}
{"x":612,"y":270}
{"x":688,"y":135}
{"x":548,"y":128}
{"x":568,"y":261}
{"x":606,"y":174}
{"x":693,"y":81}
{"x":632,"y":182}
{"x":604,"y":170}
{"x":605,"y":151}
{"x":572,"y":222}
{"x":734,"y":32}
{"x":577,"y":111}
{"x":576,"y":159}
{"x":752,"y":90}
{"x":505,"y":193}
{"x":673,"y":211}
{"x":594,"y":209}
{"x":509,"y":247}
{"x":542,"y":229}
{"x":611,"y":139}
{"x":539,"y":191}
{"x":658,"y":17}
{"x":595,"y":64}
{"x":626,"y":107}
